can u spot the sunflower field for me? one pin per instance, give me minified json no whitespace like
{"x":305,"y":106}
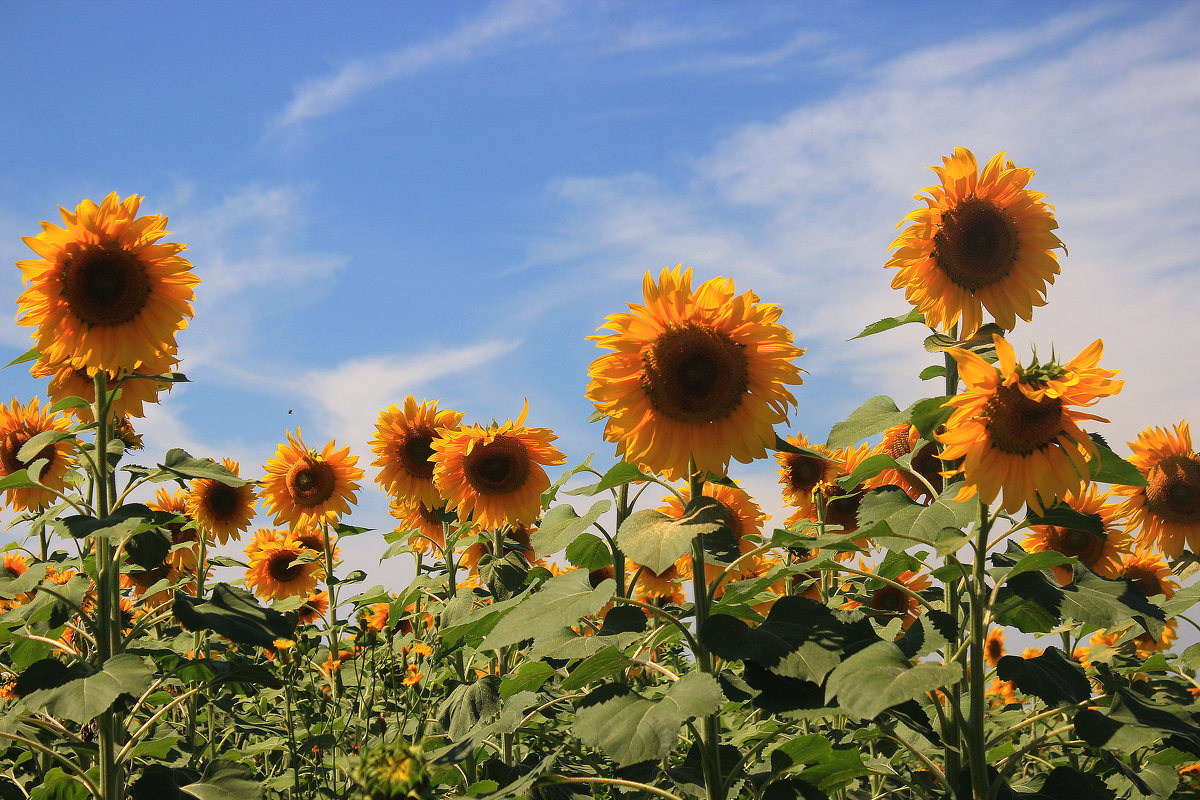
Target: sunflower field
{"x":625,"y":627}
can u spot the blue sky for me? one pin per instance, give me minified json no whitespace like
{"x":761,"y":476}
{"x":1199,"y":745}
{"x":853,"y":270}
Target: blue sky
{"x":446,"y":199}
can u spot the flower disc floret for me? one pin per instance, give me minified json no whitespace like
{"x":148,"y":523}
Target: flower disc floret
{"x":984,"y":242}
{"x":693,"y":374}
{"x":105,"y":292}
{"x":1017,"y":428}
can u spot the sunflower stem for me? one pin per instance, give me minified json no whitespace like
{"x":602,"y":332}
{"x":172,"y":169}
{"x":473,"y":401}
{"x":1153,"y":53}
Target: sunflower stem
{"x":711,"y":731}
{"x":618,"y":554}
{"x":976,"y":741}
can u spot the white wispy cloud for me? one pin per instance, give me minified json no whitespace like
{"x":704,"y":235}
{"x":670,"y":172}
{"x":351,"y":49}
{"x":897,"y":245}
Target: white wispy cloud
{"x":501,"y":21}
{"x":802,"y":208}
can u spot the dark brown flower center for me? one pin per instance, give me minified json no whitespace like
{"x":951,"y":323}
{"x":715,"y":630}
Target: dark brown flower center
{"x":1019,"y":425}
{"x":104,"y":284}
{"x":1174,"y":490}
{"x":498,"y":467}
{"x":976,"y":245}
{"x":282,"y":568}
{"x":803,"y":472}
{"x":1145,"y":578}
{"x":222,"y":501}
{"x":310,"y":482}
{"x":843,"y":509}
{"x":11,"y":444}
{"x":415,"y":453}
{"x":1083,"y":545}
{"x":889,"y":598}
{"x":695,"y":374}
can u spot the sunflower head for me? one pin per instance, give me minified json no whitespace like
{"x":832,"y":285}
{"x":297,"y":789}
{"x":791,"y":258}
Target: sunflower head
{"x":18,"y":424}
{"x":281,"y":567}
{"x":1166,"y":513}
{"x":403,"y":446}
{"x":802,"y":474}
{"x":1101,"y":554}
{"x":1016,"y":428}
{"x":494,"y":475}
{"x":222,"y":510}
{"x":698,"y":375}
{"x":105,"y":292}
{"x":302,"y":486}
{"x":428,"y":533}
{"x":983,"y":242}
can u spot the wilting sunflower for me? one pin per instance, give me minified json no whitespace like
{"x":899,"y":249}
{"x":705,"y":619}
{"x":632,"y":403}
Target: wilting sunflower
{"x":801,"y":474}
{"x":18,"y":424}
{"x":698,"y":374}
{"x":1165,"y":514}
{"x":105,"y":292}
{"x":428,"y":532}
{"x":1101,"y":554}
{"x":403,"y":448}
{"x":222,"y":510}
{"x":494,"y":475}
{"x":1017,"y":428}
{"x":302,"y":486}
{"x":276,"y":570}
{"x":69,"y":380}
{"x":983,"y":242}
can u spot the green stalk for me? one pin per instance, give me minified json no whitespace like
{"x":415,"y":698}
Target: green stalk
{"x":953,"y":736}
{"x":331,"y":585}
{"x":976,"y":741}
{"x":108,"y":600}
{"x":618,"y":555}
{"x":711,"y":732}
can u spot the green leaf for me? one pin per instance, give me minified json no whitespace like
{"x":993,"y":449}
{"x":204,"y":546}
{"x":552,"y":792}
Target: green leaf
{"x":620,"y":473}
{"x":879,"y":676}
{"x":929,"y":632}
{"x":56,"y":784}
{"x":936,"y":371}
{"x":1033,"y":562}
{"x":561,"y":526}
{"x":17,"y":480}
{"x":1051,"y":677}
{"x":1108,"y":467}
{"x":235,"y":614}
{"x":549,"y":495}
{"x":225,"y":780}
{"x":183,"y":467}
{"x":31,"y":354}
{"x":608,"y":661}
{"x":1063,"y":516}
{"x":887,"y":323}
{"x":869,"y":468}
{"x":468,"y":704}
{"x":528,"y":678}
{"x":801,"y":638}
{"x":560,"y":603}
{"x":872,"y":417}
{"x":590,"y":552}
{"x":38,"y":442}
{"x":928,"y":414}
{"x":86,"y":696}
{"x":843,"y":765}
{"x":652,"y":538}
{"x":631,"y":728}
{"x":69,"y":402}
{"x":887,"y":509}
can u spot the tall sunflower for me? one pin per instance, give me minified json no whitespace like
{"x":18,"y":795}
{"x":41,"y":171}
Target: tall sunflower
{"x":222,"y":510}
{"x":700,"y":374}
{"x":403,"y":446}
{"x":1165,"y":514}
{"x":105,"y":292}
{"x":1101,"y":554}
{"x":276,"y":570}
{"x":1017,"y":429}
{"x":801,"y":474}
{"x":494,"y":475}
{"x":18,"y":424}
{"x":984,"y":241}
{"x":302,"y":486}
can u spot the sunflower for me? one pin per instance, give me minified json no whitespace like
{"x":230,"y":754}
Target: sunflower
{"x":993,"y":646}
{"x":890,"y":602}
{"x":105,"y":292}
{"x":15,"y":564}
{"x":274,"y":572}
{"x":310,"y":538}
{"x":314,"y":607}
{"x":185,"y":536}
{"x":375,"y":616}
{"x":425,"y":523}
{"x":841,"y":505}
{"x":658,"y":585}
{"x":1165,"y":514}
{"x":697,"y":375}
{"x":1101,"y":554}
{"x":18,"y":424}
{"x":983,"y":242}
{"x":302,"y":486}
{"x":403,"y":448}
{"x":494,"y":475}
{"x":69,"y":380}
{"x":1149,"y":571}
{"x":140,"y":582}
{"x":1004,"y":692}
{"x":743,"y":516}
{"x":900,"y":440}
{"x":1016,"y":429}
{"x":801,"y":475}
{"x":222,"y":510}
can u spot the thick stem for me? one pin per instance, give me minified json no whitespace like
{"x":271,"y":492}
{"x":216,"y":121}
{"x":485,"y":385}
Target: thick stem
{"x":976,"y":717}
{"x":711,"y":736}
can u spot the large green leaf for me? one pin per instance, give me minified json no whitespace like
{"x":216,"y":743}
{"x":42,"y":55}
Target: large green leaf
{"x":800,"y":639}
{"x":83,"y":697}
{"x":880,"y":676}
{"x":561,"y":526}
{"x":560,"y":603}
{"x":1051,"y":677}
{"x":872,"y":417}
{"x":235,"y":614}
{"x":528,"y":678}
{"x":608,"y":661}
{"x":620,"y":473}
{"x":468,"y":704}
{"x":181,"y":466}
{"x":549,"y":495}
{"x":631,"y":728}
{"x":652,"y":538}
{"x":1108,"y":467}
{"x":1063,"y":516}
{"x":887,"y":323}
